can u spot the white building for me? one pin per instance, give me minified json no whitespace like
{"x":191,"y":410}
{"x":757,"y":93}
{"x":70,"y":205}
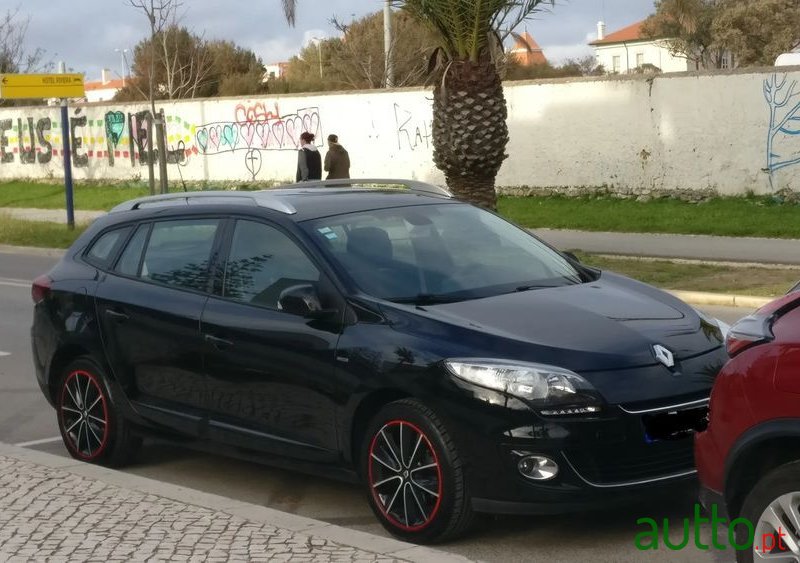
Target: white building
{"x":274,"y":70}
{"x":626,"y":50}
{"x":103,"y":90}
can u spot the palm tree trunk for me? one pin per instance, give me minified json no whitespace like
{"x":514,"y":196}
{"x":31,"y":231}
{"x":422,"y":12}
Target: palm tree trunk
{"x":469,"y":129}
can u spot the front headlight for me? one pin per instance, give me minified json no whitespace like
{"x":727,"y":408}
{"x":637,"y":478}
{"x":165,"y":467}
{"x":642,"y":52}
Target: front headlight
{"x":539,"y":384}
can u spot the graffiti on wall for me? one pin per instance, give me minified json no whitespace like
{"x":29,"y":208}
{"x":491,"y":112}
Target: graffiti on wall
{"x":118,"y":135}
{"x":412,"y":132}
{"x":783,"y":138}
{"x":256,"y":128}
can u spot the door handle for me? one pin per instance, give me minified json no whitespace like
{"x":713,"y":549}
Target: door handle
{"x":218,"y":343}
{"x":117,"y":316}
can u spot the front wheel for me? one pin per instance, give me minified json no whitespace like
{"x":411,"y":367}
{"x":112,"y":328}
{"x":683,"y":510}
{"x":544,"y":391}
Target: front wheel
{"x":773,"y":507}
{"x":92,"y":428}
{"x":414,"y":475}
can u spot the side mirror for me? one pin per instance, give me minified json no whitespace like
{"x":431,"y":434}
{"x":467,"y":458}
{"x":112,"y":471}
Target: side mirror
{"x":303,"y":300}
{"x":572,"y":256}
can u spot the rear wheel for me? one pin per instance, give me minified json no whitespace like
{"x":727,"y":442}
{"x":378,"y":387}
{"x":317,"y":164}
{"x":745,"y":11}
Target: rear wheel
{"x":414,"y":475}
{"x":92,"y":428}
{"x":773,"y":507}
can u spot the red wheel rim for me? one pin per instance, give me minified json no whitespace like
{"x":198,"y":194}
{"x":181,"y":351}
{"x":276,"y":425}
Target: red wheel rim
{"x":83,"y":415}
{"x":405,"y":476}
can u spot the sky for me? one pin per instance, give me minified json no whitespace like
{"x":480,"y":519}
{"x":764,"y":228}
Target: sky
{"x":86,"y":33}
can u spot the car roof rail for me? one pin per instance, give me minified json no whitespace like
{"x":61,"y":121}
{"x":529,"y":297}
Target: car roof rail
{"x":414,"y":186}
{"x":256,"y":198}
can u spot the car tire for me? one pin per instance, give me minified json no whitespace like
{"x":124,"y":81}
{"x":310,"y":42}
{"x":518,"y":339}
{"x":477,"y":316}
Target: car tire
{"x":91,"y":425}
{"x":414,"y":475}
{"x":775,"y":490}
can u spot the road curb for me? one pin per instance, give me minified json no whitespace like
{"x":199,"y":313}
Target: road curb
{"x":255,"y":513}
{"x":721,"y":299}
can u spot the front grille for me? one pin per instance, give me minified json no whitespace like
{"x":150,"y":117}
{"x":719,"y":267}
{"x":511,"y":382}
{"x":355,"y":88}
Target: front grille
{"x":631,"y":463}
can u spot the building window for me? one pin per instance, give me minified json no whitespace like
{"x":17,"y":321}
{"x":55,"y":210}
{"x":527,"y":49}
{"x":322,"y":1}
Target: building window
{"x":724,"y":63}
{"x":639,"y":60}
{"x":617,"y":64}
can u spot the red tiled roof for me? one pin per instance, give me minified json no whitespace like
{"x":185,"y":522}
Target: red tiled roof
{"x":631,"y":33}
{"x":99,"y":85}
{"x":527,"y":51}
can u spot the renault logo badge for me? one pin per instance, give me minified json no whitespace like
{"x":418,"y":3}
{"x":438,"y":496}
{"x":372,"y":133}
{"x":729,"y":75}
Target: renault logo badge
{"x":664,"y":356}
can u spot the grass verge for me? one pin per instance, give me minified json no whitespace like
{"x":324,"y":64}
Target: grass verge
{"x":35,"y":233}
{"x":732,"y":216}
{"x":51,"y":196}
{"x":756,"y":281}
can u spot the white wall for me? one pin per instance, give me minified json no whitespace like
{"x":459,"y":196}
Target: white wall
{"x":637,"y":134}
{"x":653,"y":52}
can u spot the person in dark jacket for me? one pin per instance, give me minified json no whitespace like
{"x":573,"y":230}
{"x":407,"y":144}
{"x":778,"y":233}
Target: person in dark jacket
{"x":309,"y":161}
{"x":337,"y":161}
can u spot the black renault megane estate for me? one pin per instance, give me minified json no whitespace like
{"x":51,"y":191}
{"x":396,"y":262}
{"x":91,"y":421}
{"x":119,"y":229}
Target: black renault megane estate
{"x":448,"y":360}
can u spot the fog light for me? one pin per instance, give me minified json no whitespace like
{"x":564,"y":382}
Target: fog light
{"x":537,"y":468}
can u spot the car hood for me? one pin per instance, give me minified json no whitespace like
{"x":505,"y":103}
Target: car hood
{"x":611,"y":323}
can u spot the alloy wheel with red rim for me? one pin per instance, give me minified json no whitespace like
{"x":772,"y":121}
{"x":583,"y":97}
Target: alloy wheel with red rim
{"x":405,"y":476}
{"x":83,"y":413}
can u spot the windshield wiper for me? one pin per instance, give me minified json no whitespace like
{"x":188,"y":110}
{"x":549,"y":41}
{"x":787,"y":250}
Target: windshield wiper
{"x":428,"y":299}
{"x":523,"y":288}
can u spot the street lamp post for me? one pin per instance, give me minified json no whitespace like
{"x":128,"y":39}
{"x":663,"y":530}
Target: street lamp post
{"x":124,"y":70}
{"x":387,"y":44}
{"x":319,"y":53}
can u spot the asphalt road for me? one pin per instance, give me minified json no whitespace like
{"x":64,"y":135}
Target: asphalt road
{"x":26,"y":417}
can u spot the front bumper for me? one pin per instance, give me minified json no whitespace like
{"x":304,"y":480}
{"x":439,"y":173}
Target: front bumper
{"x":602,"y":460}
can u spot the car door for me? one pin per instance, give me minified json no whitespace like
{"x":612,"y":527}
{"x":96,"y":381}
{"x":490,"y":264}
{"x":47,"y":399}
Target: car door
{"x":270,"y":372}
{"x":149,"y":309}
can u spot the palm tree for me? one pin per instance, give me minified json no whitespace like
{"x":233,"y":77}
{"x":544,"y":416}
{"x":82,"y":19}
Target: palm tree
{"x":470,"y":133}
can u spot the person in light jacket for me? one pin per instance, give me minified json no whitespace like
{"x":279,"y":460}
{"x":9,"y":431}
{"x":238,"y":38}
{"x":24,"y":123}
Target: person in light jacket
{"x":309,"y":161}
{"x":337,"y":161}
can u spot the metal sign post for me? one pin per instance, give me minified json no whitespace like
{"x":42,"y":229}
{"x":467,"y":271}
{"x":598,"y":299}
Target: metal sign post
{"x":68,"y":188}
{"x":44,"y":86}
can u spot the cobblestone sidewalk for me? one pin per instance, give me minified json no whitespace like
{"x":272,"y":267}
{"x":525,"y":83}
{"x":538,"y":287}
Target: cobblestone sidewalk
{"x":52,"y":514}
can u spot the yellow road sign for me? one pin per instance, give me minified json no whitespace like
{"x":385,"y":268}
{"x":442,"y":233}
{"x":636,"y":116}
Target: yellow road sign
{"x":20,"y":86}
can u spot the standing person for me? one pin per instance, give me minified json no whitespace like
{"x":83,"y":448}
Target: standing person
{"x":337,"y":161}
{"x":309,"y":161}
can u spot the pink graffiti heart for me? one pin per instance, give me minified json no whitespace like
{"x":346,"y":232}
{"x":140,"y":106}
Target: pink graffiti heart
{"x":279,"y":133}
{"x":315,"y":125}
{"x":260,"y":134}
{"x":248,"y":132}
{"x":294,"y":126}
{"x":214,"y":136}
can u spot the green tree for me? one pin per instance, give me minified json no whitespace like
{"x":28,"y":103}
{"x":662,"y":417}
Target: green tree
{"x":686,"y":26}
{"x":470,"y":133}
{"x":757,"y":31}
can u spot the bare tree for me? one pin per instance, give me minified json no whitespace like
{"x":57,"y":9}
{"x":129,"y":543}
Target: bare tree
{"x":159,"y":13}
{"x":187,"y":62}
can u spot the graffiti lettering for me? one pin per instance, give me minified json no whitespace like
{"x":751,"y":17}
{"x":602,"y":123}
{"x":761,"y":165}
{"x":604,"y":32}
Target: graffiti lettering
{"x":27,"y":152}
{"x":78,"y":160}
{"x":5,"y":156}
{"x":411,"y":134}
{"x":46,"y":151}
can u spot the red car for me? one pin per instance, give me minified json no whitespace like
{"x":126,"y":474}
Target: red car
{"x":748,"y":459}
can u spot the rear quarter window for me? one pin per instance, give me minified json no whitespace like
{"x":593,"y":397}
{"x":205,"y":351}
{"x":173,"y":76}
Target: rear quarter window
{"x":104,"y":248}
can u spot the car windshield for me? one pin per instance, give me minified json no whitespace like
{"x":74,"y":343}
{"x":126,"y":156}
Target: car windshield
{"x":439,"y":253}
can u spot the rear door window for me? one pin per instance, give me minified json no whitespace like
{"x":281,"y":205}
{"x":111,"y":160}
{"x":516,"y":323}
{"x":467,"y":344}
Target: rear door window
{"x":178,"y":253}
{"x":128,"y":264}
